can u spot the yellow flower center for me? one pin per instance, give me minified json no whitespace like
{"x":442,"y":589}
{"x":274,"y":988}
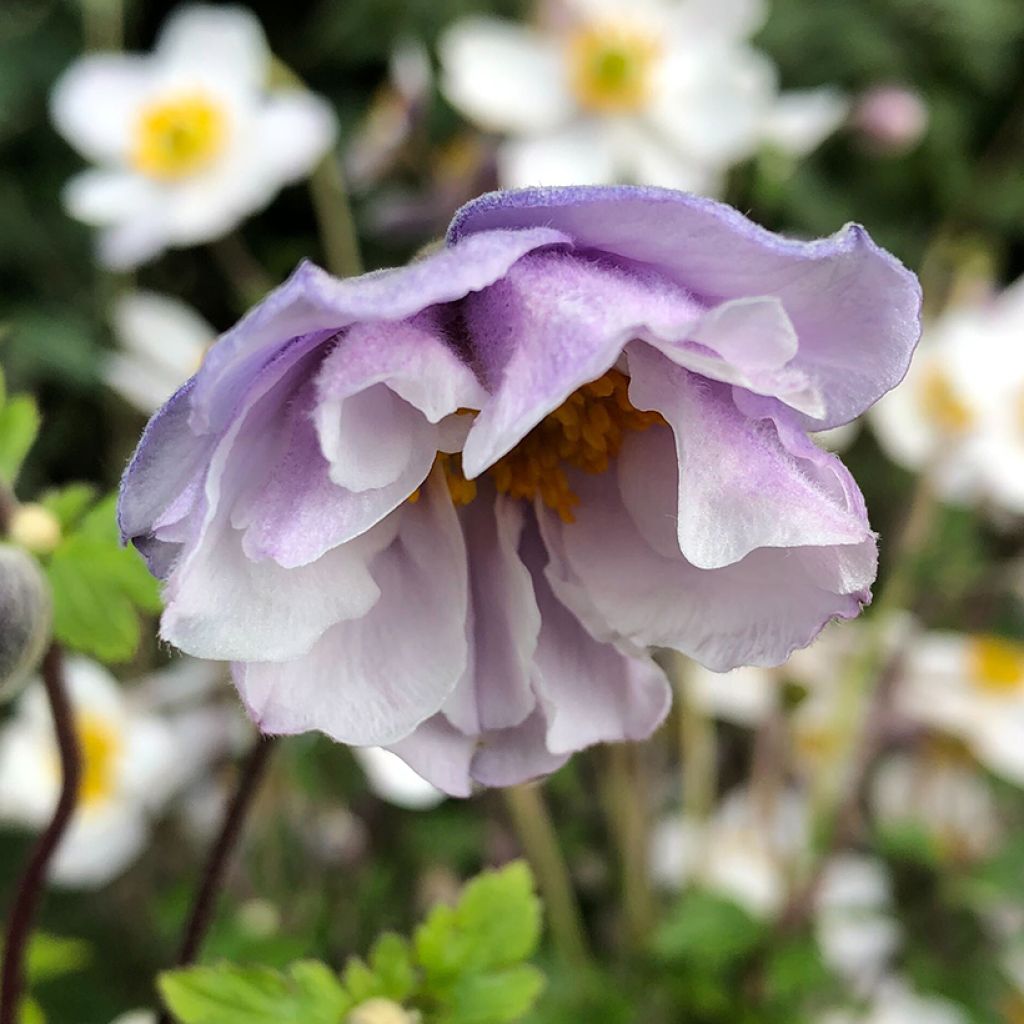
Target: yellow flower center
{"x":941,"y":404}
{"x":178,"y":136}
{"x":611,"y":67}
{"x":997,"y":665}
{"x":585,"y":432}
{"x":100,"y":746}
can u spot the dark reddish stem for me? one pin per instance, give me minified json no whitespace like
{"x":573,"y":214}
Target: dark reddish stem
{"x":33,"y":879}
{"x":205,"y":902}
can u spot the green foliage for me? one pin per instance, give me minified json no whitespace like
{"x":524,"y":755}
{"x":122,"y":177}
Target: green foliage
{"x":50,"y":956}
{"x":98,"y":586}
{"x":19,"y":426}
{"x":708,"y":931}
{"x":464,"y":967}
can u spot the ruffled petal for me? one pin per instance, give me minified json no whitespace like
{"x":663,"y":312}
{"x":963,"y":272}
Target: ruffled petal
{"x":370,"y":681}
{"x":854,"y":307}
{"x":753,"y":612}
{"x":748,"y":477}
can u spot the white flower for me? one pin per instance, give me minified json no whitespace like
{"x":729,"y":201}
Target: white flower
{"x":897,"y":1003}
{"x":972,"y":688}
{"x":131,"y":765}
{"x":941,"y":795}
{"x":744,"y":696}
{"x":747,"y":851}
{"x":660,"y":92}
{"x":136,"y":1017}
{"x":163,"y":341}
{"x":188,"y":141}
{"x":960,"y":410}
{"x":855,"y":929}
{"x":393,"y":780}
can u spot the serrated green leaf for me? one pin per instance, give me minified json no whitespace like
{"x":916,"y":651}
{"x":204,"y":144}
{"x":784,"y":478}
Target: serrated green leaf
{"x":308,"y":993}
{"x":359,"y":981}
{"x":98,"y":588}
{"x":69,"y":504}
{"x":495,"y":924}
{"x":391,"y":961}
{"x":494,"y":997}
{"x":19,"y":425}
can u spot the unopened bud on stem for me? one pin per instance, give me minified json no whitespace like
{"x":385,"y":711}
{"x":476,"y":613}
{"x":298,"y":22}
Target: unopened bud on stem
{"x":25,"y":617}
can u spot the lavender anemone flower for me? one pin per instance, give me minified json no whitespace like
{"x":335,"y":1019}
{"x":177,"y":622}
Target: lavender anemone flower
{"x":448,"y":508}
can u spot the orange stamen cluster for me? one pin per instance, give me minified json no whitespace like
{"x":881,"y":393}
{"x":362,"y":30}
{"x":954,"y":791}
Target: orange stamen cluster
{"x":585,"y":432}
{"x":463,"y":491}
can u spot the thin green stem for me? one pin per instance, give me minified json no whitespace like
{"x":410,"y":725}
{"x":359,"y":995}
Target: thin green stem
{"x":334,"y":218}
{"x":698,"y":755}
{"x":246,"y":275}
{"x":625,"y":794}
{"x":532,"y":820}
{"x":103,"y":24}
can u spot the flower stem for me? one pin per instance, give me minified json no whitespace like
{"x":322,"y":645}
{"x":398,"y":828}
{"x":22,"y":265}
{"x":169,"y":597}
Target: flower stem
{"x":215,"y":870}
{"x":698,"y":754}
{"x":625,"y":794}
{"x":532,"y":821}
{"x":243,"y":271}
{"x":103,"y":24}
{"x":29,"y":891}
{"x":334,"y":218}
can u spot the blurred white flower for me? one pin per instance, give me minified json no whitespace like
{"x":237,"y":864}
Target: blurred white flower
{"x":960,"y":410}
{"x":131,"y":765}
{"x":748,"y":850}
{"x":188,"y":141}
{"x":854,"y":924}
{"x":941,"y":795}
{"x":136,"y":1017}
{"x":163,"y":341}
{"x":744,"y":696}
{"x":660,"y":92}
{"x":393,"y":780}
{"x":972,"y":688}
{"x":897,"y":1003}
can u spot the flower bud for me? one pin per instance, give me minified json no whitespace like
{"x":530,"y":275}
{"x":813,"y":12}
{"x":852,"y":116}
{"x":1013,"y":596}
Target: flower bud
{"x":382,"y":1011}
{"x":35,"y":528}
{"x":891,"y":118}
{"x":25,"y":617}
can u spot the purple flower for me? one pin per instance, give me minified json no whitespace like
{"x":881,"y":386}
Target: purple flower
{"x":448,"y":508}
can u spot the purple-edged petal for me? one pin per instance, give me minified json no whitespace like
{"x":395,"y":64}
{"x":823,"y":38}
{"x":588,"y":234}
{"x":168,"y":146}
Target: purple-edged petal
{"x":311,"y":304}
{"x":591,"y":692}
{"x":371,"y":681}
{"x":854,"y":307}
{"x":753,"y":612}
{"x":512,"y":756}
{"x":504,"y":621}
{"x":745,"y":482}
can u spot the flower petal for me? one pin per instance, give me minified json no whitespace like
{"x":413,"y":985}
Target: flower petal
{"x":295,"y":129}
{"x":503,"y":76}
{"x":855,"y":308}
{"x":371,"y":681}
{"x":748,"y":478}
{"x":579,"y":153}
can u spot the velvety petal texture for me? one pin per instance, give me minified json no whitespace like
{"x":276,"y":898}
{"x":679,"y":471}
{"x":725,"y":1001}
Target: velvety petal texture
{"x":449,"y":509}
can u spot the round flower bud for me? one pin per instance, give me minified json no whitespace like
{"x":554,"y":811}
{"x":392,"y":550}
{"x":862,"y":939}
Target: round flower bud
{"x":382,"y":1011}
{"x":25,"y":617}
{"x":36,"y":528}
{"x":891,"y":118}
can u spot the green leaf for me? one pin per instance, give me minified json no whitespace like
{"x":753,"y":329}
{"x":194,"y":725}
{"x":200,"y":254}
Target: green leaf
{"x":495,"y":924}
{"x":494,"y":997}
{"x":98,"y":588}
{"x":51,"y":957}
{"x":30,"y":1012}
{"x":389,"y":975}
{"x":69,"y":504}
{"x":308,"y":993}
{"x":708,"y":932}
{"x":19,"y":425}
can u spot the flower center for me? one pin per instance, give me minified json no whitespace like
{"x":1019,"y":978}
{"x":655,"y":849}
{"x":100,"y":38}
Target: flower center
{"x":610,"y":67}
{"x":941,"y":404}
{"x":178,"y":136}
{"x":100,"y":746}
{"x":585,"y":432}
{"x":996,"y":665}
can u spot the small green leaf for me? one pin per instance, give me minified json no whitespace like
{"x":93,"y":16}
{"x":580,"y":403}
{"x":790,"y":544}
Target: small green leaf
{"x":308,"y":993}
{"x":707,"y":931}
{"x":19,"y":425}
{"x":30,"y":1012}
{"x":496,"y":924}
{"x":51,"y":957}
{"x":493,"y":997}
{"x":98,"y":588}
{"x":391,"y":960}
{"x":69,"y":504}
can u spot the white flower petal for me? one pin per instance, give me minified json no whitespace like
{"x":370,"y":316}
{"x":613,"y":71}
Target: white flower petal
{"x":801,"y":120}
{"x":504,"y":77}
{"x":394,"y":781}
{"x":295,"y":130}
{"x":580,"y":154}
